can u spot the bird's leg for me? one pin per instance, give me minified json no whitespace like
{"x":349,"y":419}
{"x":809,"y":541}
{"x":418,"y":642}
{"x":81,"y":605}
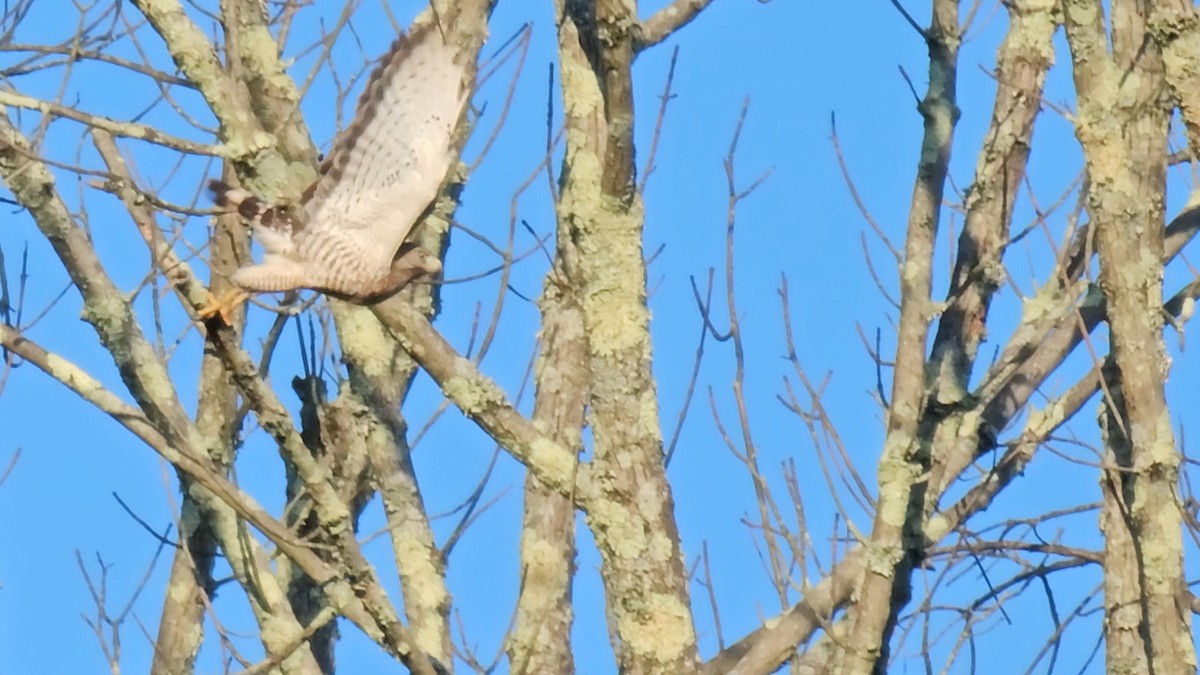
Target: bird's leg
{"x":223,"y":306}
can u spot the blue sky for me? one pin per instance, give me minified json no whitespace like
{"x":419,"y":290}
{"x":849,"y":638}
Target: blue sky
{"x":799,"y":63}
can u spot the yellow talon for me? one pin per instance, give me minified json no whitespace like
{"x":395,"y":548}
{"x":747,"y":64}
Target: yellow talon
{"x":223,"y":306}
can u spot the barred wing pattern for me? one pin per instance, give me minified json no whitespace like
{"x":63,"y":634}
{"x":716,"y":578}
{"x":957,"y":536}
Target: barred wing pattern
{"x":389,"y":163}
{"x":382,"y":173}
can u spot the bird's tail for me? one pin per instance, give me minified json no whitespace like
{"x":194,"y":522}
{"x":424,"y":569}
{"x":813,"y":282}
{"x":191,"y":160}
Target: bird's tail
{"x":276,"y":275}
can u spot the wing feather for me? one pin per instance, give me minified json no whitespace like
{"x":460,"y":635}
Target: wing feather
{"x":273,"y":225}
{"x":388,"y":165}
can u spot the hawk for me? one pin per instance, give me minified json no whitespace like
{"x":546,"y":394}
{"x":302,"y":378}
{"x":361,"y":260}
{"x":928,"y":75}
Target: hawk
{"x":347,"y":235}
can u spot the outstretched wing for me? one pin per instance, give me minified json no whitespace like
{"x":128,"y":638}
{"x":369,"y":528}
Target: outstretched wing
{"x":388,"y":165}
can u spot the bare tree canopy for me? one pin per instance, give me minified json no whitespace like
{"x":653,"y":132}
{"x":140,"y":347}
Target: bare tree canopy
{"x":589,"y":336}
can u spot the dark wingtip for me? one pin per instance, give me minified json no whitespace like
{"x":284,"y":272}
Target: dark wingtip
{"x":219,"y":190}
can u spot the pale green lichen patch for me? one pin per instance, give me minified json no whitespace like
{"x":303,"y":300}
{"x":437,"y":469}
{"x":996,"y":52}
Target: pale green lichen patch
{"x":581,"y":95}
{"x":1043,"y":420}
{"x":969,"y":424}
{"x":1161,"y":451}
{"x":428,"y":637}
{"x":583,"y":199}
{"x":424,"y":585}
{"x":366,"y":340}
{"x":662,"y":629}
{"x":66,"y":372}
{"x":180,"y":592}
{"x":659,"y":547}
{"x":331,"y":511}
{"x":1046,"y":302}
{"x":883,"y":558}
{"x":553,"y":461}
{"x":1035,"y":28}
{"x":616,"y":322}
{"x":470,"y":390}
{"x":1161,"y":561}
{"x":241,"y":146}
{"x":261,"y":48}
{"x":896,"y":477}
{"x":277,"y":634}
{"x":617,"y":530}
{"x":543,"y":560}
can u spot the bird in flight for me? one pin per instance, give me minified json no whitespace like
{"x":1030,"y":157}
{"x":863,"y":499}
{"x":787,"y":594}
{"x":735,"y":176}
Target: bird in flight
{"x":347,"y":236}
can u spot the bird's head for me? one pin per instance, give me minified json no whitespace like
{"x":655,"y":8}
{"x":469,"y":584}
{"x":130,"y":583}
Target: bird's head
{"x":421,"y":259}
